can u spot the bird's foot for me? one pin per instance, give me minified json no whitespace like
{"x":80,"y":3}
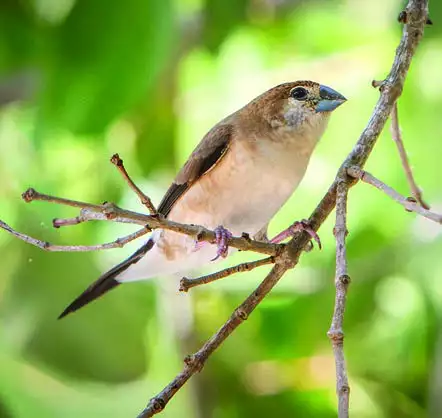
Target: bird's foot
{"x":222,"y":235}
{"x":298,"y":226}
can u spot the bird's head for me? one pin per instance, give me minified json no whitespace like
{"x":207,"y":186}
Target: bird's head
{"x":297,"y":104}
{"x":308,"y":95}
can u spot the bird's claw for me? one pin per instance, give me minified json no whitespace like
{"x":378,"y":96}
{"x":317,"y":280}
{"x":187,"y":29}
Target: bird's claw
{"x":222,"y":235}
{"x":298,"y":226}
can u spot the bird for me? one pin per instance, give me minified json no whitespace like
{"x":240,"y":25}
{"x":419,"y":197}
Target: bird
{"x":235,"y":181}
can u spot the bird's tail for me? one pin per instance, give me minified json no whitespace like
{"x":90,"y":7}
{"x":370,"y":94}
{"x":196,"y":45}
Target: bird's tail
{"x":107,"y":281}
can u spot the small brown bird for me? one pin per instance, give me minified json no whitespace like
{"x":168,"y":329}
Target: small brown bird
{"x":238,"y":177}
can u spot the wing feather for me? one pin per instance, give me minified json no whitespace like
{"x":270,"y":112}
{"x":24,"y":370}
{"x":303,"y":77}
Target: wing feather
{"x":206,"y":156}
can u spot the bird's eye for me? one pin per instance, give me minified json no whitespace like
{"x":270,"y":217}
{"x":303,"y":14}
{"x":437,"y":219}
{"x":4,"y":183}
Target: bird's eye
{"x":299,"y":93}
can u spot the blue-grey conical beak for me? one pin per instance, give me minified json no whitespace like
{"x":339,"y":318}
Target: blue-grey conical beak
{"x":330,"y":99}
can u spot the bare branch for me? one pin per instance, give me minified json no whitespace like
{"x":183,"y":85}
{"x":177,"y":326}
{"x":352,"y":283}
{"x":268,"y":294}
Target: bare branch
{"x":391,"y":90}
{"x":195,"y":362}
{"x":342,"y":280}
{"x":397,"y":138}
{"x":186,"y":284}
{"x":47,"y":246}
{"x":31,"y":195}
{"x":408,"y":203}
{"x":87,"y":215}
{"x":111,"y":212}
{"x":144,"y":199}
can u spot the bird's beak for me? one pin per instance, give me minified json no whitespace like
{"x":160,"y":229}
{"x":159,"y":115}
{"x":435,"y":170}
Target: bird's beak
{"x":330,"y":99}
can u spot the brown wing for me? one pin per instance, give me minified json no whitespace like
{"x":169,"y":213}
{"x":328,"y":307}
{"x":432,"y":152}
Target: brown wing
{"x":206,"y":155}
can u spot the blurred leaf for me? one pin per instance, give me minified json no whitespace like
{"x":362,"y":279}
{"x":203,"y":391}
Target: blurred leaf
{"x":221,"y":17}
{"x":115,"y":54}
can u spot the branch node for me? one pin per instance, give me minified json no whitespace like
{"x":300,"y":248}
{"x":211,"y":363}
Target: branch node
{"x":200,"y":235}
{"x":343,"y":389}
{"x":241,"y":314}
{"x":378,"y":84}
{"x":336,"y":336}
{"x":29,"y":195}
{"x":344,"y":279}
{"x":116,"y":160}
{"x":403,"y":17}
{"x":184,"y":284}
{"x":157,"y":404}
{"x":355,"y":172}
{"x":192,"y":361}
{"x":411,"y":200}
{"x":246,"y":236}
{"x":338,"y":229}
{"x":110,"y":210}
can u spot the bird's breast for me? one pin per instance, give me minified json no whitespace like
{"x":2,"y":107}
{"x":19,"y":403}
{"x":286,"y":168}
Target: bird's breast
{"x":245,"y":189}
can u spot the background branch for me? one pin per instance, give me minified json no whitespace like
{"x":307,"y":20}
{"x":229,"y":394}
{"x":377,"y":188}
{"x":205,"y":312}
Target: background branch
{"x":47,"y":246}
{"x":407,"y":203}
{"x":397,"y":138}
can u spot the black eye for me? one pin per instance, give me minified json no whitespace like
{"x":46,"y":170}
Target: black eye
{"x":299,"y":93}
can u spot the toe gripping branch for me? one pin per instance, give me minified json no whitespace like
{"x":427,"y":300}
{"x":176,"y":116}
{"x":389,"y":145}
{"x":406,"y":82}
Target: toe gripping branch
{"x":296,"y":227}
{"x":222,"y":235}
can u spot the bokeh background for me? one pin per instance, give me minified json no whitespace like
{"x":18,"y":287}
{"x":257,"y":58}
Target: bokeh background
{"x":83,"y":79}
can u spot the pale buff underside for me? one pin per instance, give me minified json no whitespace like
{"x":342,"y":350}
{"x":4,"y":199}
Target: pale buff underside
{"x":242,"y":192}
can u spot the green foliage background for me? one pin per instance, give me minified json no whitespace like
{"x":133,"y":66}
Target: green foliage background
{"x":82,"y":79}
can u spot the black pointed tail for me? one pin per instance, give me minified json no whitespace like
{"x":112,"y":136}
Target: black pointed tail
{"x":107,"y":281}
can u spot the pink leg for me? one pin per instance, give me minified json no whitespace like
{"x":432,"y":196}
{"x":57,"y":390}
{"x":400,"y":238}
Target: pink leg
{"x":298,"y":226}
{"x":222,"y":236}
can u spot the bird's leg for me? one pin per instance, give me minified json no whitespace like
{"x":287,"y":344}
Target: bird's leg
{"x":298,"y":226}
{"x":222,"y":236}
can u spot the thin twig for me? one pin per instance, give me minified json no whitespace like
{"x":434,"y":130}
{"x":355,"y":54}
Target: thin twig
{"x":186,"y":284}
{"x":31,"y":195}
{"x":342,"y":280}
{"x":392,"y":89}
{"x":111,"y":212}
{"x":87,"y":215}
{"x":409,"y":204}
{"x":145,"y":200}
{"x":47,"y":246}
{"x":195,"y":362}
{"x":397,"y":138}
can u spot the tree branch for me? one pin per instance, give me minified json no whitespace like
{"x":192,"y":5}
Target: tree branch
{"x":195,"y":362}
{"x":397,"y":138}
{"x":111,"y":212}
{"x":342,"y":280}
{"x":186,"y":284}
{"x":144,"y":199}
{"x":47,"y":246}
{"x":408,"y":203}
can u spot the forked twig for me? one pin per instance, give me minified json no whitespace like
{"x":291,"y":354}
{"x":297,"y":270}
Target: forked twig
{"x":342,"y":280}
{"x":397,"y":138}
{"x":409,"y":204}
{"x":111,"y":212}
{"x":144,"y":199}
{"x":47,"y":246}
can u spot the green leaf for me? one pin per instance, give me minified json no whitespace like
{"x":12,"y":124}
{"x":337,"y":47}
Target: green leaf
{"x":103,"y":59}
